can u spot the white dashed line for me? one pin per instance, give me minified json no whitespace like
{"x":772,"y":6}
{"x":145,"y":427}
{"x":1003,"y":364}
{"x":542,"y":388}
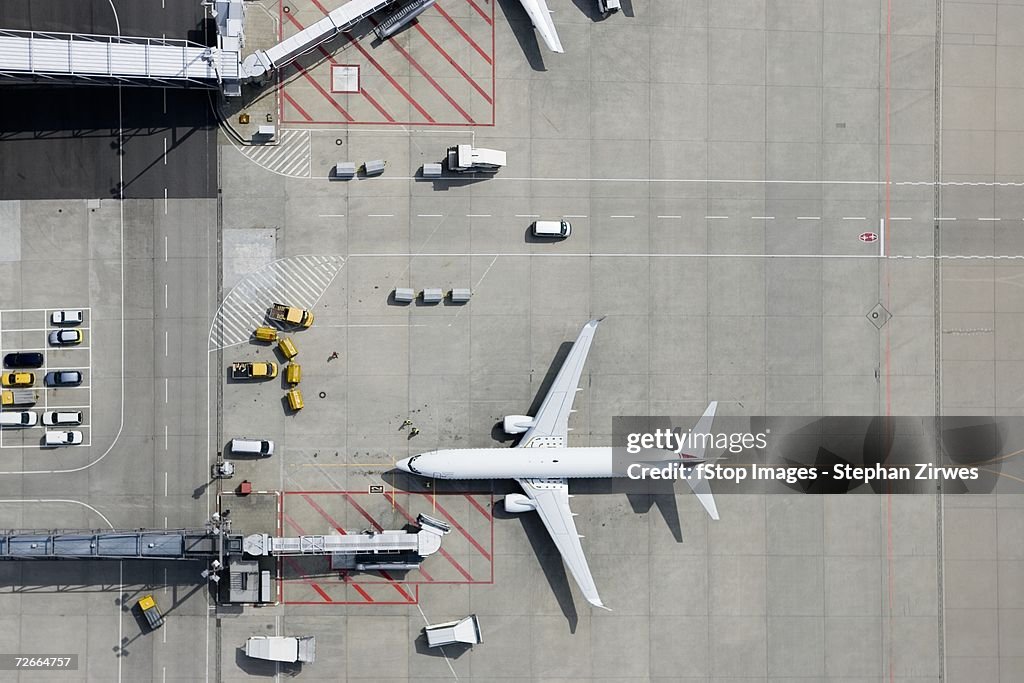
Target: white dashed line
{"x":669,"y":216}
{"x":576,"y":215}
{"x":900,"y":218}
{"x":762,"y":218}
{"x":380,"y":215}
{"x":622,"y":216}
{"x":332,"y":215}
{"x":854,"y":218}
{"x":478,"y":215}
{"x":990,"y":219}
{"x":715,"y":218}
{"x":940,"y":218}
{"x":808,"y":218}
{"x":527,"y":215}
{"x":429,"y":215}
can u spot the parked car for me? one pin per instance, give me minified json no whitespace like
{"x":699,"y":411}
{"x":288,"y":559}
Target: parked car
{"x":53,"y":438}
{"x":24,"y":359}
{"x":53,"y":418}
{"x":65,"y":337}
{"x":66,"y":318}
{"x":18,"y":379}
{"x":18,"y":418}
{"x":63,"y":378}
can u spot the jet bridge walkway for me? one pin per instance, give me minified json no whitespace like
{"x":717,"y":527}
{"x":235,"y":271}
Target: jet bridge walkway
{"x":144,"y":544}
{"x":82,"y":57}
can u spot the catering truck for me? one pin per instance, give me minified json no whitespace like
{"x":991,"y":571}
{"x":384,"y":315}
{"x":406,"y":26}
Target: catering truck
{"x":282,"y":648}
{"x":290,"y":315}
{"x":250,"y":370}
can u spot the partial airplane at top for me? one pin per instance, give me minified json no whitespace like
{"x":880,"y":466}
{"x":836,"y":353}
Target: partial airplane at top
{"x":540,"y":15}
{"x":542,"y":463}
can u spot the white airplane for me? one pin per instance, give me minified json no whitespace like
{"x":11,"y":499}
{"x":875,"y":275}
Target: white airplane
{"x":542,"y":463}
{"x":540,"y":15}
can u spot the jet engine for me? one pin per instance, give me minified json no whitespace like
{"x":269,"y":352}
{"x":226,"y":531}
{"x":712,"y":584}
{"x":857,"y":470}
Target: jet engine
{"x":516,"y":502}
{"x":517,"y":424}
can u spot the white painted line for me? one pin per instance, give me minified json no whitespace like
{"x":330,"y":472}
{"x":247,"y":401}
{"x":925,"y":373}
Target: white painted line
{"x":380,"y":215}
{"x":762,"y":218}
{"x":167,"y":337}
{"x":576,"y":215}
{"x":940,"y":218}
{"x":478,"y":215}
{"x":990,"y":219}
{"x":166,"y":390}
{"x":332,"y":215}
{"x":808,"y":218}
{"x":854,"y":218}
{"x":537,"y":215}
{"x":165,"y":437}
{"x":429,"y":215}
{"x":900,"y":218}
{"x":165,"y":248}
{"x":165,"y":151}
{"x":622,"y":216}
{"x":669,"y":216}
{"x":165,"y":201}
{"x":715,"y":218}
{"x":165,"y":296}
{"x":881,"y":237}
{"x":165,"y":484}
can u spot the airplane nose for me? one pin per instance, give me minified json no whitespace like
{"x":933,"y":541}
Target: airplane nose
{"x":403,"y":465}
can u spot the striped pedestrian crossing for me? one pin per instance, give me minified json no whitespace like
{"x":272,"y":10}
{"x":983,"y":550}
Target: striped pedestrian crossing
{"x":296,"y":281}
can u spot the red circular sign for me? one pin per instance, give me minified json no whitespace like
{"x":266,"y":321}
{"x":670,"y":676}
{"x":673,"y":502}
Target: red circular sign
{"x":868,"y":237}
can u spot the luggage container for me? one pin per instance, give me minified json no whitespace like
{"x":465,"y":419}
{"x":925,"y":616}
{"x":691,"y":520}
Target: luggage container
{"x":265,"y":334}
{"x":287,"y":347}
{"x":293,"y":373}
{"x":295,"y":399}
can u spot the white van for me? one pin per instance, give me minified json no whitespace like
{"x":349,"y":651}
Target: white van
{"x":252,"y":447}
{"x":18,"y":418}
{"x":552,"y":229}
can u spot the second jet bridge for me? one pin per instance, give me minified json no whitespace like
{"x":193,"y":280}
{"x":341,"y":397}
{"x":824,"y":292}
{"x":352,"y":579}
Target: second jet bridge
{"x":366,"y":551}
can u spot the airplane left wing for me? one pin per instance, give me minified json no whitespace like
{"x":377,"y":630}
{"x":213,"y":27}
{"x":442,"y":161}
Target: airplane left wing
{"x":540,"y":15}
{"x":552,"y":420}
{"x":552,"y":499}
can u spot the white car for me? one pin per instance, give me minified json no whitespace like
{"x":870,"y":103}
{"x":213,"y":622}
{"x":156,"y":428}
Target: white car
{"x":60,"y":417}
{"x":62,"y":438}
{"x":65,"y":337}
{"x":66,"y":318}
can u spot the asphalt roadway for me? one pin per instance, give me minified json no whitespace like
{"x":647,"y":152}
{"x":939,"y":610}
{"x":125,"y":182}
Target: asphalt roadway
{"x":63,"y":143}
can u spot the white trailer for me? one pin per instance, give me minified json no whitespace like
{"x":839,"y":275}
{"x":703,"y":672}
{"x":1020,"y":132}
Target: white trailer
{"x":468,"y":159}
{"x":465,"y":630}
{"x":282,"y":648}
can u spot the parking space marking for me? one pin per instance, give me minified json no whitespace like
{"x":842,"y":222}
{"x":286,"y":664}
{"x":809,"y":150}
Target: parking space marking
{"x":10,"y":327}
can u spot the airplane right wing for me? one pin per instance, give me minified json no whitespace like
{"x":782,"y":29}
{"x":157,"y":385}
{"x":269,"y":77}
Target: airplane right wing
{"x":552,"y":499}
{"x":540,"y":15}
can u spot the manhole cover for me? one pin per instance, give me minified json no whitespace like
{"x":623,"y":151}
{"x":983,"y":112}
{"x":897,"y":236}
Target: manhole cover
{"x":879,"y":315}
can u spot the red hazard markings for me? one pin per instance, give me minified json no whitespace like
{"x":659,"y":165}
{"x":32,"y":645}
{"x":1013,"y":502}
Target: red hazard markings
{"x":388,"y":94}
{"x":466,"y":554}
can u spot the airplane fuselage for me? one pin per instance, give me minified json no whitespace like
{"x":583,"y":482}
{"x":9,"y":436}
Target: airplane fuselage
{"x":512,"y":463}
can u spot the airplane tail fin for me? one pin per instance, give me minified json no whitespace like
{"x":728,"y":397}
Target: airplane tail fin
{"x":702,"y":427}
{"x":702,"y":489}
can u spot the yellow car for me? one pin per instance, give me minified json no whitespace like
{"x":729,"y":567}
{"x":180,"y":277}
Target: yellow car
{"x":18,"y":379}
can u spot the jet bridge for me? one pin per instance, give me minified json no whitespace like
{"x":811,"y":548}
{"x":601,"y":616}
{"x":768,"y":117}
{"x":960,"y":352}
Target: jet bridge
{"x":144,"y":544}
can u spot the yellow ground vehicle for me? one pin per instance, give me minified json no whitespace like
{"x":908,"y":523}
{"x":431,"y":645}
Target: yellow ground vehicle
{"x":291,"y":315}
{"x":15,"y":397}
{"x":18,"y":379}
{"x":295,"y":399}
{"x":147,"y":605}
{"x":265,"y":334}
{"x":287,"y":347}
{"x":258,"y":370}
{"x":293,"y":373}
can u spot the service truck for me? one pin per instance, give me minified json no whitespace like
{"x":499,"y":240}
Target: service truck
{"x":282,"y":648}
{"x":251,"y":370}
{"x":290,"y":315}
{"x":17,"y":397}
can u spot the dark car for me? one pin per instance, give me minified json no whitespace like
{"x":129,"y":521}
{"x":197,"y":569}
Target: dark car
{"x":24,"y":359}
{"x":63,"y":378}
